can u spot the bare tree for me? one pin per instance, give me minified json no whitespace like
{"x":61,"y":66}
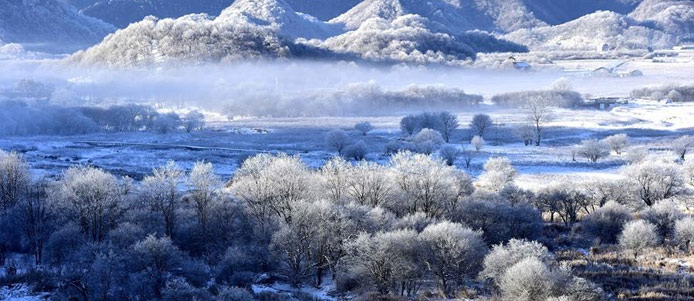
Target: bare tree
{"x":35,"y":219}
{"x":203,"y":189}
{"x":449,"y":122}
{"x":364,"y":127}
{"x":481,"y":123}
{"x":194,"y":120}
{"x":337,"y":139}
{"x":538,"y":110}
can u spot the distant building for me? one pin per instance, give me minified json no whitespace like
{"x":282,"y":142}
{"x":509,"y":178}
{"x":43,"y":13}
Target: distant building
{"x":684,"y":47}
{"x":603,"y":47}
{"x":604,"y":103}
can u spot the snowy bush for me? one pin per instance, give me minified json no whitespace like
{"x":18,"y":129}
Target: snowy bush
{"x":617,"y":142}
{"x":638,"y":236}
{"x":356,"y":151}
{"x":663,"y":215}
{"x":498,"y":173}
{"x":194,"y":120}
{"x":637,"y":154}
{"x":449,"y":153}
{"x":555,"y":98}
{"x":502,"y":257}
{"x":684,"y":232}
{"x":477,"y":142}
{"x":427,"y":141}
{"x":14,"y":180}
{"x":165,"y":123}
{"x":593,"y":150}
{"x":364,"y":127}
{"x":529,"y":280}
{"x":607,"y":222}
{"x":681,"y":146}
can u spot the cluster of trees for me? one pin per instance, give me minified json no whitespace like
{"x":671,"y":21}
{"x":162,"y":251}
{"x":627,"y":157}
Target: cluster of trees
{"x":361,"y":99}
{"x":20,"y":118}
{"x":674,"y":93}
{"x":555,"y":97}
{"x":412,"y":226}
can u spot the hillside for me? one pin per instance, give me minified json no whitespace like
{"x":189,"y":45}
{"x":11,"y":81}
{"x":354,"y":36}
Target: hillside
{"x":591,"y":32}
{"x":123,"y":12}
{"x":675,"y":17}
{"x":49,"y":25}
{"x":450,"y":16}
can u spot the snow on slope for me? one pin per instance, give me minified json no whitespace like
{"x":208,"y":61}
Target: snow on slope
{"x":123,"y":12}
{"x":279,"y":15}
{"x":49,"y":25}
{"x":323,"y":9}
{"x":675,"y":17}
{"x":592,"y":31}
{"x":453,"y":16}
{"x":410,"y":38}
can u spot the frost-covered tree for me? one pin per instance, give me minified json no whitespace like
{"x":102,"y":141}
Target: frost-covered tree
{"x":498,"y":173}
{"x":638,"y":236}
{"x":480,"y":124}
{"x":602,"y":191}
{"x":681,"y":146}
{"x":618,"y":143}
{"x":270,"y":184}
{"x":305,"y":244}
{"x":194,"y":120}
{"x":467,"y":155}
{"x":160,"y":192}
{"x":364,"y":127}
{"x":637,"y":154}
{"x":157,"y":259}
{"x":684,"y":232}
{"x":526,"y":133}
{"x":688,"y":168}
{"x":35,"y":219}
{"x":452,"y":253}
{"x":529,"y":280}
{"x":427,"y":141}
{"x":338,"y":140}
{"x":356,"y":151}
{"x":593,"y":149}
{"x":423,"y":184}
{"x":503,"y":257}
{"x":388,"y":260}
{"x":409,"y":124}
{"x":449,"y":153}
{"x":607,"y":221}
{"x":477,"y":142}
{"x":333,"y":178}
{"x":91,"y":198}
{"x":14,"y":180}
{"x":449,"y":123}
{"x":562,"y":84}
{"x":165,"y":123}
{"x":655,"y":181}
{"x":369,"y":184}
{"x":203,"y":193}
{"x":538,"y":110}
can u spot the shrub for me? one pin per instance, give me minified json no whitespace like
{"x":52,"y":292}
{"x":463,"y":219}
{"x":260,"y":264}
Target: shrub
{"x":607,"y":221}
{"x":502,"y":257}
{"x":338,"y":140}
{"x":449,"y":153}
{"x":593,"y":149}
{"x":499,"y":220}
{"x":364,"y":127}
{"x":684,"y":232}
{"x":638,"y":236}
{"x":477,"y":142}
{"x":617,"y":142}
{"x":663,"y":215}
{"x":356,"y":151}
{"x":529,"y":279}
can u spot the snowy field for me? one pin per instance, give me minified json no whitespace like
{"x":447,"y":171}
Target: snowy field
{"x":228,"y":143}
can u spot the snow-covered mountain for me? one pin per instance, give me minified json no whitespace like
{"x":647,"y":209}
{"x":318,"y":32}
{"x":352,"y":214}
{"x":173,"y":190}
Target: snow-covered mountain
{"x":248,"y":29}
{"x":453,"y":16}
{"x":675,"y":17}
{"x":281,"y":17}
{"x":323,"y":9}
{"x":49,"y":25}
{"x":410,"y":38}
{"x":593,"y":31}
